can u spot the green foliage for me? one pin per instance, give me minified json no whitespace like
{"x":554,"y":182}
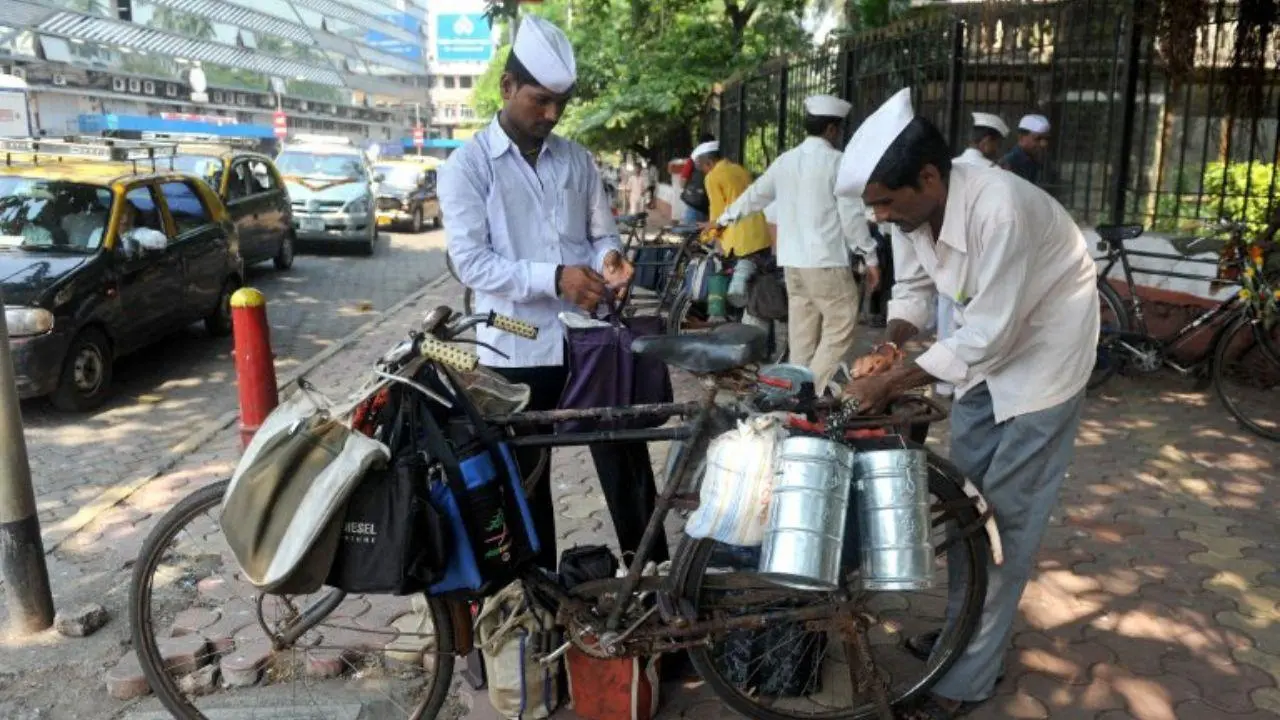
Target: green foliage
{"x":1240,"y":192}
{"x":646,"y":68}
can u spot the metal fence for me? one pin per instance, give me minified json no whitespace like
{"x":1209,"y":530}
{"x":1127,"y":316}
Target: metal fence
{"x":1131,"y":142}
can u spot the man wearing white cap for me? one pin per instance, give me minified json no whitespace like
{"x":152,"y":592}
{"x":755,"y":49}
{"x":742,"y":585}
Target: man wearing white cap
{"x":1021,"y":274}
{"x":1026,"y":159}
{"x":530,"y":230}
{"x":989,"y":131}
{"x":816,"y":232}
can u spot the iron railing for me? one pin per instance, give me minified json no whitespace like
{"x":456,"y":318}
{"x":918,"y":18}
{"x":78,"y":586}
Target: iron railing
{"x":1130,"y":142}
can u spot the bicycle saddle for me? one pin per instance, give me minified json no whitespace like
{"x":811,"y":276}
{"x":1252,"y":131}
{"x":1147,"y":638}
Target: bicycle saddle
{"x":725,"y":348}
{"x":636,"y":219}
{"x":1118,"y":233}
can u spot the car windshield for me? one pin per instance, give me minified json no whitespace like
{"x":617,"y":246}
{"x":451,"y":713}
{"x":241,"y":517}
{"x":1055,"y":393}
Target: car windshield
{"x":204,"y":167}
{"x":37,"y":214}
{"x":404,"y":176}
{"x":327,"y":165}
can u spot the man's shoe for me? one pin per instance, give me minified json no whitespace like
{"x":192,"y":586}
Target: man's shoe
{"x":921,"y":646}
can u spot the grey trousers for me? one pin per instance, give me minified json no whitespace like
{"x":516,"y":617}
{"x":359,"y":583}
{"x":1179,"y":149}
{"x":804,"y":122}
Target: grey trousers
{"x":1018,"y":465}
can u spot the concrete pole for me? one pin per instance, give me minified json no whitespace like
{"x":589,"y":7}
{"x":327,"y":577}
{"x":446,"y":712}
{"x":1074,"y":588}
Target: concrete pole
{"x":22,"y":564}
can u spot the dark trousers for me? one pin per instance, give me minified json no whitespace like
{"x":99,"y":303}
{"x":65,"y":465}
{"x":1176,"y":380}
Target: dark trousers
{"x":624,"y":469}
{"x":878,"y":304}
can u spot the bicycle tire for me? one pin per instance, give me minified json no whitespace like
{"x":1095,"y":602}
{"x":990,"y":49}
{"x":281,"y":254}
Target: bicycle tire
{"x":165,"y":686}
{"x":946,"y":482}
{"x":1271,"y":353}
{"x":1105,"y":367}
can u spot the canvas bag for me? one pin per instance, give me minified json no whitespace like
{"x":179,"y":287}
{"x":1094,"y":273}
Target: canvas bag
{"x":282,"y":510}
{"x":513,"y":634}
{"x":736,"y":488}
{"x":604,"y":372}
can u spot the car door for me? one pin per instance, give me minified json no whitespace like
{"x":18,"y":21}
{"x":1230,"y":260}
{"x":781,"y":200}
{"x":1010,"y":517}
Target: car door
{"x":431,"y":205}
{"x":272,"y":206}
{"x":202,"y":244}
{"x":149,"y":279}
{"x":244,"y":209}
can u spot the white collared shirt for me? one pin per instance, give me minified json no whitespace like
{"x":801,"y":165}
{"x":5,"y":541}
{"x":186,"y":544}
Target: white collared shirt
{"x":815,"y":228}
{"x":509,"y":226}
{"x":1025,"y":289}
{"x":973,"y":156}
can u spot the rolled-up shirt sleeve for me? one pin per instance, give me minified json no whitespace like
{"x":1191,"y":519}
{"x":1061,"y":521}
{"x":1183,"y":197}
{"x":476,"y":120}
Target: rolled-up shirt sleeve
{"x":601,"y":228}
{"x":479,"y":266}
{"x":993,"y":316}
{"x":857,"y":236}
{"x":913,"y":290}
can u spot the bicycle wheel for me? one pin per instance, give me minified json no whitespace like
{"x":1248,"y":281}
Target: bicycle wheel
{"x":826,"y":690}
{"x":392,"y":657}
{"x":1115,"y":320}
{"x":1246,"y":375}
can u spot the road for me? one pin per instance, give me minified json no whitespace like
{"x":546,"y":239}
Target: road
{"x":164,"y":393}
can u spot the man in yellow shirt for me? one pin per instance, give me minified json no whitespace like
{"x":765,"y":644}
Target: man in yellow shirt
{"x":725,"y":181}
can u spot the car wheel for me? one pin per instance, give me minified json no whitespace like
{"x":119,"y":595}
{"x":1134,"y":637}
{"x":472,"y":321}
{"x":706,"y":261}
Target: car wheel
{"x":368,"y":246}
{"x":86,"y":373}
{"x":437,"y":221}
{"x":415,"y":225}
{"x":218,"y":324}
{"x":284,"y":257}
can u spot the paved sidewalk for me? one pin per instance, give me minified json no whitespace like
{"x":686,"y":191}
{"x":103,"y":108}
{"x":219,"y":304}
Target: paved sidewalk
{"x":1157,"y":592}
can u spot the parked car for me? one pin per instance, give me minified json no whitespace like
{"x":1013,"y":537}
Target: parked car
{"x":99,"y":258}
{"x":406,"y":194}
{"x":330,"y":185}
{"x":255,"y":195}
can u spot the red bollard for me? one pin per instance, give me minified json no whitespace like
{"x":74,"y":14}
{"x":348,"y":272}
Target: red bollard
{"x":255,"y":368}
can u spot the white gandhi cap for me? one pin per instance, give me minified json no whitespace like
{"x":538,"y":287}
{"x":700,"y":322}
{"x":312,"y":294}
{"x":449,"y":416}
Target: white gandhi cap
{"x":1034,"y":123}
{"x":704,"y":148}
{"x":826,"y":106}
{"x":987,"y":120}
{"x":545,"y":52}
{"x":870,"y":142}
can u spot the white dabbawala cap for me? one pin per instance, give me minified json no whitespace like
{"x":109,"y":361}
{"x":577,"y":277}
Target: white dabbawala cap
{"x":826,"y":106}
{"x":704,"y":148}
{"x":1034,"y":123}
{"x":545,"y":52}
{"x":987,"y":120}
{"x":870,"y":142}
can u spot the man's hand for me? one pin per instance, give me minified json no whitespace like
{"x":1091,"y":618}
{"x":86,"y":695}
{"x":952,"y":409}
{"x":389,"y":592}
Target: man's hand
{"x":880,"y":361}
{"x":873,"y":277}
{"x":617,"y":272}
{"x":581,"y":286}
{"x":872,"y":394}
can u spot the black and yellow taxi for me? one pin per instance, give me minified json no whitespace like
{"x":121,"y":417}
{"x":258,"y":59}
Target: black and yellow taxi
{"x":406,"y":193}
{"x":255,"y":195}
{"x":103,"y":250}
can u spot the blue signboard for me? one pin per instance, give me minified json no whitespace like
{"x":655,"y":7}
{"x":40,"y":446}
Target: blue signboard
{"x":395,"y":46}
{"x":463,"y":38}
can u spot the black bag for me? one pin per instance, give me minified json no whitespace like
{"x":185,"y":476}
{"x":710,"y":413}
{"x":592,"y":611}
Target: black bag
{"x":767,"y":293}
{"x":585,"y":563}
{"x":695,"y":193}
{"x":653,"y":265}
{"x":392,"y":541}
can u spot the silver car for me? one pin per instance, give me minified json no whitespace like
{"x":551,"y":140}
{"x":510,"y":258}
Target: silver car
{"x":332,"y":194}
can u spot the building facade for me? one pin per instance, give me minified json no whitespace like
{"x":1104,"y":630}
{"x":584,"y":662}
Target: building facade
{"x":460,"y":46}
{"x":343,"y":67}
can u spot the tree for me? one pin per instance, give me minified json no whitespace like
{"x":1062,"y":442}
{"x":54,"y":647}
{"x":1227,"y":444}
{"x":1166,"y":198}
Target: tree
{"x":646,"y":68}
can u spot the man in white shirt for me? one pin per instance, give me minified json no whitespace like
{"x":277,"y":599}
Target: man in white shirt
{"x":989,"y":132}
{"x":1024,"y":281}
{"x":816,"y":231}
{"x":530,"y":231}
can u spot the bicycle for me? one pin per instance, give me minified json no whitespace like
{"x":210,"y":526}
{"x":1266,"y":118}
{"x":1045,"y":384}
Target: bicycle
{"x":1241,"y":336}
{"x":699,"y":603}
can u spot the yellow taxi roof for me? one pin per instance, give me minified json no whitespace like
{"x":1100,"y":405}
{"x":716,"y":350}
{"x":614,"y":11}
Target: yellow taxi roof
{"x":90,"y":172}
{"x":424,"y":162}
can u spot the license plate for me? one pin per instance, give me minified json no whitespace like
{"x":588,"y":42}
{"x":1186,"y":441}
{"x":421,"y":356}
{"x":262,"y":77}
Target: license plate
{"x":313,"y":224}
{"x":384,"y":220}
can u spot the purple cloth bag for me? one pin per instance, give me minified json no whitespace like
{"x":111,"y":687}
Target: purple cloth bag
{"x":603,"y":372}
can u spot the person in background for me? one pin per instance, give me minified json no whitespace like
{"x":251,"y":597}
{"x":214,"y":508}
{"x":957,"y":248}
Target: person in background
{"x":1026,"y":159}
{"x":745,"y":245}
{"x":816,"y":232}
{"x":651,"y":184}
{"x":694,"y":195}
{"x":634,"y":187}
{"x":530,"y":231}
{"x":1020,"y":359}
{"x":989,"y":132}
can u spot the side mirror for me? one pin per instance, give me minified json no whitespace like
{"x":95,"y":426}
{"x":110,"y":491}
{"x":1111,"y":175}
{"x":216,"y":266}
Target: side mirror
{"x":379,"y":177}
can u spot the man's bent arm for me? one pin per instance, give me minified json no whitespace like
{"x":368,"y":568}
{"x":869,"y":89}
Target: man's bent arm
{"x":601,"y":229}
